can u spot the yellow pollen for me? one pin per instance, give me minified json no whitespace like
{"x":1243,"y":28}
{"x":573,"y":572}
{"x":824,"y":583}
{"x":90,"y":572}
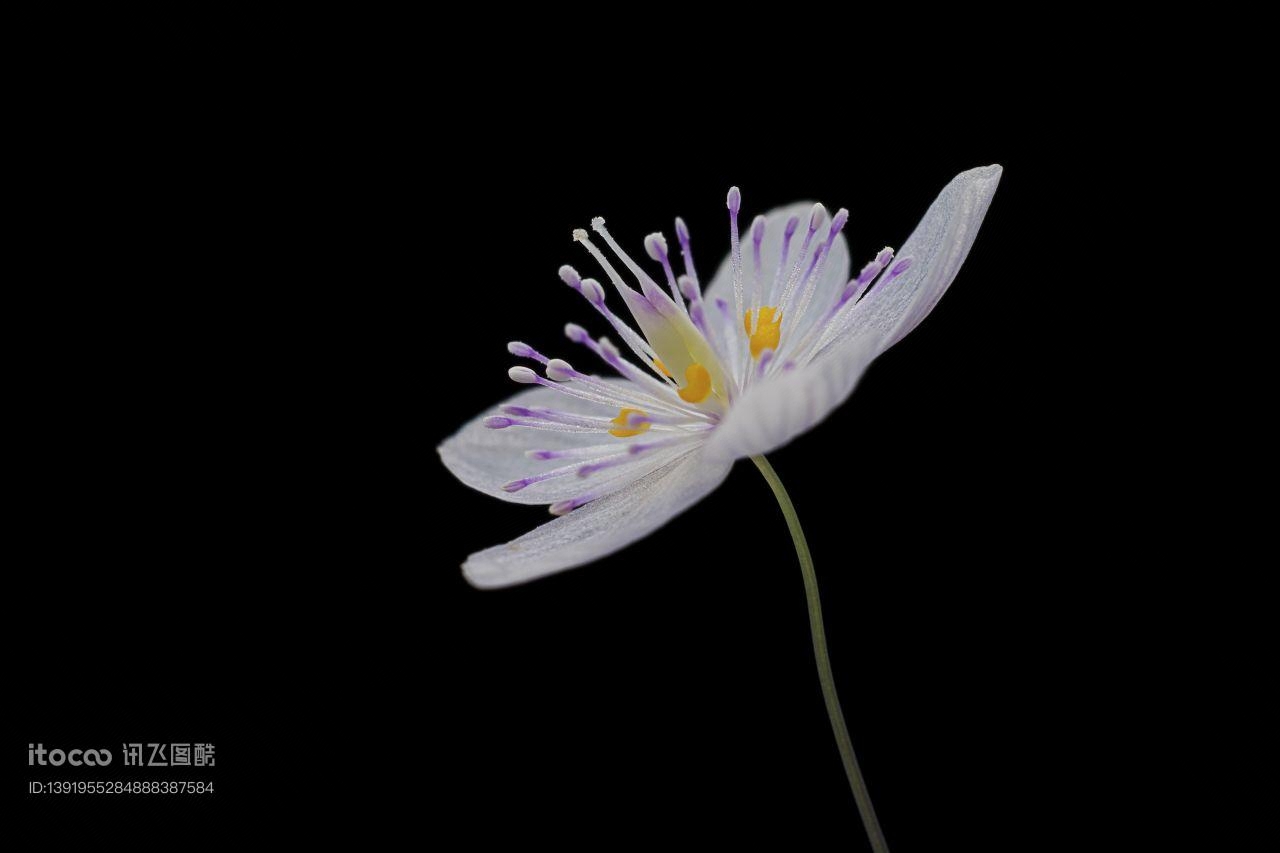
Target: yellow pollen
{"x":662,"y":368}
{"x":766,"y":333}
{"x":698,"y":384}
{"x":624,"y":431}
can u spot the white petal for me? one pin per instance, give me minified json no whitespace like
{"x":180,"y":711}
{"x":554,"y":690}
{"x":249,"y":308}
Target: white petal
{"x":776,"y":411}
{"x":835,"y":271}
{"x":937,"y":248}
{"x":787,"y":404}
{"x":600,"y":527}
{"x":486,"y":459}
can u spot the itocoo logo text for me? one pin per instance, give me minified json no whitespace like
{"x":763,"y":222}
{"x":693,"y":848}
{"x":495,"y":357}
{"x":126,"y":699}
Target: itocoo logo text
{"x":36,"y":754}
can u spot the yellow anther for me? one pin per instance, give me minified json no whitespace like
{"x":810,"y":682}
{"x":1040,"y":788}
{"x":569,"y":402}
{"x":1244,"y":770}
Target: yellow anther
{"x":767,"y":331}
{"x":662,"y":368}
{"x":698,"y":384}
{"x":623,"y":430}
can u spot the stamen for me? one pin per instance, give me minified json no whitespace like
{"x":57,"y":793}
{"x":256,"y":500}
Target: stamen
{"x":682,"y":236}
{"x":792,"y":224}
{"x":816,"y":215}
{"x":647,"y":446}
{"x":590,"y":288}
{"x":842,"y":318}
{"x":497,"y":422}
{"x":648,"y":286}
{"x":757,"y":284}
{"x":698,"y":384}
{"x":807,"y":290}
{"x":762,"y":366}
{"x":523,"y":375}
{"x":734,"y":202}
{"x":608,"y":353}
{"x":656,"y":246}
{"x":854,"y":289}
{"x":566,"y":507}
{"x":730,"y":335}
{"x":572,"y":453}
{"x":560,"y":370}
{"x":521,"y":350}
{"x":525,"y":482}
{"x":581,"y":236}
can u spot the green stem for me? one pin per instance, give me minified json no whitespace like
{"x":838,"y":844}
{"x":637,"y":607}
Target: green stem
{"x":860,"y":795}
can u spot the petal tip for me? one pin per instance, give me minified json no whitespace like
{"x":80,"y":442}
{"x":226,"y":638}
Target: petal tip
{"x":480,"y":576}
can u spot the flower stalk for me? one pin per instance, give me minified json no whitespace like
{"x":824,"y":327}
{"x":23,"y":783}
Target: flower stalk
{"x":859,"y":786}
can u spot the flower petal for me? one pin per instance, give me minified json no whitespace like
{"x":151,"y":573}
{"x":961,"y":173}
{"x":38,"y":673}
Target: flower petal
{"x":487,"y":459}
{"x":936,"y":248}
{"x":776,"y":411}
{"x":835,"y":270}
{"x":787,"y":404}
{"x":600,"y":527}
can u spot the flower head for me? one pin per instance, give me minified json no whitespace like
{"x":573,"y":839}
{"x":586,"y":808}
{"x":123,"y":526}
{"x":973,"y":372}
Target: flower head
{"x":777,"y":340}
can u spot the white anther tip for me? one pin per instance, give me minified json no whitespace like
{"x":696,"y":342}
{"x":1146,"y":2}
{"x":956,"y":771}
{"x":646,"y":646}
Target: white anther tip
{"x":523,"y":375}
{"x":734,"y":201}
{"x":593,"y":290}
{"x":597,"y":223}
{"x":570,"y":276}
{"x":520,"y":350}
{"x":757,"y":229}
{"x":575,"y":333}
{"x":656,"y":245}
{"x":682,"y":230}
{"x":817,"y":216}
{"x":580,"y":234}
{"x":560,"y":370}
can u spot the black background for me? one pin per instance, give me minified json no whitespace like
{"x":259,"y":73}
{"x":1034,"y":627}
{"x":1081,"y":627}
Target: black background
{"x":258,"y":306}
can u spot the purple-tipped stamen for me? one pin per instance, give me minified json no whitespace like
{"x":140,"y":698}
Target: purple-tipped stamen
{"x":523,"y":350}
{"x":656,"y":247}
{"x":734,"y":203}
{"x":792,"y":224}
{"x":686,"y":252}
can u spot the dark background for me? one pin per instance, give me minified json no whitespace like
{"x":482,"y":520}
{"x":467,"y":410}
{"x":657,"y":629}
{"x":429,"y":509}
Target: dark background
{"x":257,"y":306}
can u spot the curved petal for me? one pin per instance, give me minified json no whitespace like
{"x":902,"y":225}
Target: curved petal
{"x":776,"y":411}
{"x":486,"y":459}
{"x":600,"y":527}
{"x":835,"y":270}
{"x":936,"y":248}
{"x":772,"y":413}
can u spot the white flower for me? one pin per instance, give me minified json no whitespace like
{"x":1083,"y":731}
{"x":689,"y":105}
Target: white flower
{"x":778,"y":340}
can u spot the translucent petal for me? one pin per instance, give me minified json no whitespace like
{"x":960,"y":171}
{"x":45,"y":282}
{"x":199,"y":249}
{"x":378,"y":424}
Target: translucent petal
{"x":600,"y":527}
{"x":936,"y":248}
{"x":486,"y":459}
{"x":787,"y":404}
